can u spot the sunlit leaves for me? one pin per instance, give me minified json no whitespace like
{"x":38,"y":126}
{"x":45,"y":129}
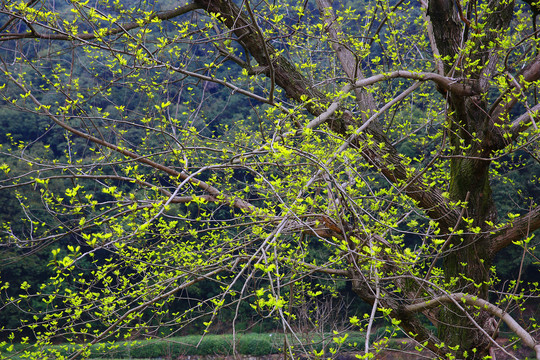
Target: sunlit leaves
{"x":177,"y":168}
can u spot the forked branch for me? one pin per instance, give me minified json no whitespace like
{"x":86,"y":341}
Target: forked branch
{"x":484,"y":305}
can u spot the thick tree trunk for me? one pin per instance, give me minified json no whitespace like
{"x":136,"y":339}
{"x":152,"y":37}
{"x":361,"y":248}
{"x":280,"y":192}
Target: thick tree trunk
{"x":468,"y":261}
{"x":468,"y":258}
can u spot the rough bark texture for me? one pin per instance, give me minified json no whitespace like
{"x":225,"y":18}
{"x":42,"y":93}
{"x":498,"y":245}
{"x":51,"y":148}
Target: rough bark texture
{"x":295,"y":85}
{"x":473,"y":134}
{"x":471,"y":131}
{"x":470,"y":124}
{"x":447,"y":29}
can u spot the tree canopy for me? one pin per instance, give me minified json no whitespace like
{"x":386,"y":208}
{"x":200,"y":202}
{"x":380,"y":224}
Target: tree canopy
{"x":174,"y":164}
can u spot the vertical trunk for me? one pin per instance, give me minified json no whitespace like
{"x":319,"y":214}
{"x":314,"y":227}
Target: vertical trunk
{"x":455,"y":327}
{"x":467,"y":262}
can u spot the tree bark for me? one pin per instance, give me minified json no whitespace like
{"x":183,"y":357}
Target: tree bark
{"x":380,"y":153}
{"x":468,"y":262}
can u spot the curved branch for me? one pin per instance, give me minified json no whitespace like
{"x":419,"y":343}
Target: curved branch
{"x":411,"y":325}
{"x":381,"y":154}
{"x":446,"y":83}
{"x":485,"y":305}
{"x":506,"y":102}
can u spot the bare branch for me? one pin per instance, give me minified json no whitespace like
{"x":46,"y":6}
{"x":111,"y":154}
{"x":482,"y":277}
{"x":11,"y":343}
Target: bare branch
{"x":455,"y":86}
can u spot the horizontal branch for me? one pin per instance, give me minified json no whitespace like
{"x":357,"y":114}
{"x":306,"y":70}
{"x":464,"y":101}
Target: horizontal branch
{"x":164,"y":15}
{"x":452,"y":85}
{"x":518,"y":229}
{"x":487,"y":306}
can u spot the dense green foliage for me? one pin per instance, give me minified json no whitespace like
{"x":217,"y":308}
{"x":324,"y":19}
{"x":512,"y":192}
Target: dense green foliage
{"x":300,"y":167}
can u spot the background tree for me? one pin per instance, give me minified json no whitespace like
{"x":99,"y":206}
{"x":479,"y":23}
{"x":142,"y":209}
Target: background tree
{"x":271,"y":149}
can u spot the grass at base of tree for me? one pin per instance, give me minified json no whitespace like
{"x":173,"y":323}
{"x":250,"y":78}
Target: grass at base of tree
{"x":253,"y":344}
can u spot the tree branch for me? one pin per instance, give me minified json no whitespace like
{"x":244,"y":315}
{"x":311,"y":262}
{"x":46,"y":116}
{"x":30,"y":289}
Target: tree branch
{"x":347,"y":58}
{"x":381,"y":154}
{"x":524,"y":121}
{"x":516,"y":230}
{"x":446,"y":83}
{"x":505,"y":103}
{"x":146,"y":304}
{"x":485,"y":305}
{"x":164,"y":15}
{"x":239,"y":203}
{"x":411,"y":325}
